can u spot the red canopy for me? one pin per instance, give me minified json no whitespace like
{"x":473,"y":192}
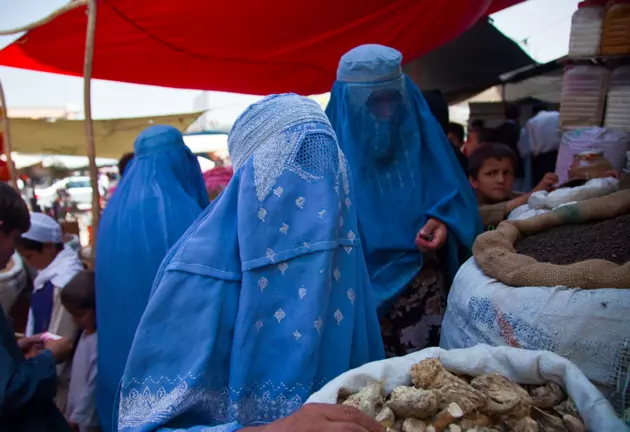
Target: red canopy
{"x":256,"y":47}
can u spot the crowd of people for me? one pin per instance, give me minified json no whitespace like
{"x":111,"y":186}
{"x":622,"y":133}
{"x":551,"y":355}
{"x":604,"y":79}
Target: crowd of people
{"x":333,"y":245}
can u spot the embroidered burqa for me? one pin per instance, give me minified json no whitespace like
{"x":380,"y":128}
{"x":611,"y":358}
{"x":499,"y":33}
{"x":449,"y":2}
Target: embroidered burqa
{"x":266,"y":297}
{"x":159,"y":197}
{"x":406,"y":170}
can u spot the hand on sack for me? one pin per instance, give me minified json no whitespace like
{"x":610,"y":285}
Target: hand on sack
{"x":547,"y":182}
{"x":322,"y":417}
{"x":431,"y":236}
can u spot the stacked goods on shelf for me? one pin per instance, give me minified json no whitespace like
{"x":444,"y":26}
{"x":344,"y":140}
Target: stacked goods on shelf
{"x":595,"y":105}
{"x":618,"y":106}
{"x":583,"y":96}
{"x":616,"y":30}
{"x":586,"y":29}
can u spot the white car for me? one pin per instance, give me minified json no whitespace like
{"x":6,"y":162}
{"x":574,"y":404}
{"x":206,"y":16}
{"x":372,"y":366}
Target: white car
{"x":79,"y":188}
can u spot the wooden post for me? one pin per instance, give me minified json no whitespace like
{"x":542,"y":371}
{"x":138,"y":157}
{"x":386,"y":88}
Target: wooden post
{"x":89,"y":127}
{"x":6,"y":135}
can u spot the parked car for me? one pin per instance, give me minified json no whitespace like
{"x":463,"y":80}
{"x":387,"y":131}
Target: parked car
{"x":78,"y":188}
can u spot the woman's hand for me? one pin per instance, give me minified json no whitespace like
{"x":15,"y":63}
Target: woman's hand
{"x":31,"y":346}
{"x":431,"y":236}
{"x":322,"y":417}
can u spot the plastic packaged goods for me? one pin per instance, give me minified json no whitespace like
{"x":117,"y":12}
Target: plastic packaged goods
{"x":613,"y":143}
{"x":616,"y":31}
{"x":583,"y":96}
{"x":586,"y":29}
{"x":618,"y":106}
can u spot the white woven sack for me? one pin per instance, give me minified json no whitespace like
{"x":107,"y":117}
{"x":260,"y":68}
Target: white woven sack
{"x":591,"y":328}
{"x":526,"y":367}
{"x":595,"y":188}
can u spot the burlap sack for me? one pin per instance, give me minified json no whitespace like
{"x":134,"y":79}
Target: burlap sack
{"x":495,"y":254}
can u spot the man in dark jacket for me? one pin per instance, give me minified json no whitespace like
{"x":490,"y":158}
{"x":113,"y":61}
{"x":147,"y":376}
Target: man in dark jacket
{"x":509,"y":133}
{"x":28,"y":373}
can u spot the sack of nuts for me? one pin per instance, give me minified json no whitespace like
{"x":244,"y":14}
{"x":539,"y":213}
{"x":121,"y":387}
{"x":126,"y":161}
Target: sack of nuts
{"x":480,"y":389}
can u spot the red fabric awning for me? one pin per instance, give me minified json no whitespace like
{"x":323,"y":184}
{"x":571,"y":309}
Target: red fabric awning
{"x":256,"y":47}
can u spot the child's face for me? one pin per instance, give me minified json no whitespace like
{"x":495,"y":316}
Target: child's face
{"x":84,"y":318}
{"x":39,"y":260}
{"x":495,"y":179}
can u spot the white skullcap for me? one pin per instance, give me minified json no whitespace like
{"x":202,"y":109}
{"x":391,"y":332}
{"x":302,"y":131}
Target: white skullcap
{"x":44,"y":229}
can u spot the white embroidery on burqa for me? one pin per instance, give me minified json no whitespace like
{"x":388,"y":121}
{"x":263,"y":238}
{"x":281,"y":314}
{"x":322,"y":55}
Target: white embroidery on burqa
{"x":321,"y":214}
{"x":337,"y":274}
{"x":279,"y":315}
{"x":351,"y":295}
{"x":348,"y":249}
{"x":139,"y":405}
{"x":300,"y":202}
{"x":318,"y":324}
{"x":262,"y":130}
{"x":307,"y":245}
{"x":258,"y":325}
{"x":338,"y":316}
{"x":302,"y":292}
{"x":348,"y":203}
{"x":261,"y":214}
{"x":284,"y":229}
{"x":270,"y":254}
{"x":283,"y":266}
{"x":278,"y":191}
{"x":297,"y":335}
{"x":262,"y":283}
{"x":351,"y":236}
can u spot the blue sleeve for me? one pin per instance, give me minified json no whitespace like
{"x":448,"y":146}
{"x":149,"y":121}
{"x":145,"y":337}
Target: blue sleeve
{"x":27,"y":381}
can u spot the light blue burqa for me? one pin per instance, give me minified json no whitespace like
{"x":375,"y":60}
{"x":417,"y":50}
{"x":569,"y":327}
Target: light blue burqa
{"x":266,"y":297}
{"x":161,"y":194}
{"x":403,"y":166}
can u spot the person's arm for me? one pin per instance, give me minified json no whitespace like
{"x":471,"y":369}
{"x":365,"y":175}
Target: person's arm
{"x":23,"y":382}
{"x":84,"y":412}
{"x":494,"y":214}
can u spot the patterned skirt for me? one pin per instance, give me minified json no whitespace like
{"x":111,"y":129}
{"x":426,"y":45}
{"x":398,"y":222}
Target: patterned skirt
{"x":415,"y":320}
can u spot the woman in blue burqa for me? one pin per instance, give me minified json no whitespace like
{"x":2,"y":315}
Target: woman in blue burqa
{"x":417,"y":213}
{"x":159,"y":197}
{"x":266,"y":297}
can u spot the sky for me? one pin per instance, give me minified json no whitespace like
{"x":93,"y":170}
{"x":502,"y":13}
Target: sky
{"x":541,"y":27}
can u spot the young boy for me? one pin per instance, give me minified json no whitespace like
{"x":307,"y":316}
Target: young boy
{"x":42,"y":247}
{"x":491,"y":173}
{"x":80,"y":301}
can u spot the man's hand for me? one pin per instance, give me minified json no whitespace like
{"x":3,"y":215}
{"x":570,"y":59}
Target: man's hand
{"x":60,"y":348}
{"x":548,"y":180}
{"x":31,"y":346}
{"x":431,"y":236}
{"x":324,"y":418}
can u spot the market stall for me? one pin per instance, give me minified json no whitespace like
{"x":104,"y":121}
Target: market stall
{"x":556,"y":275}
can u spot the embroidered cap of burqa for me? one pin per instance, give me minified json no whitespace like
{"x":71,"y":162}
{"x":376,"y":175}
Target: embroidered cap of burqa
{"x":160,"y":195}
{"x":403,"y":167}
{"x":266,"y":297}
